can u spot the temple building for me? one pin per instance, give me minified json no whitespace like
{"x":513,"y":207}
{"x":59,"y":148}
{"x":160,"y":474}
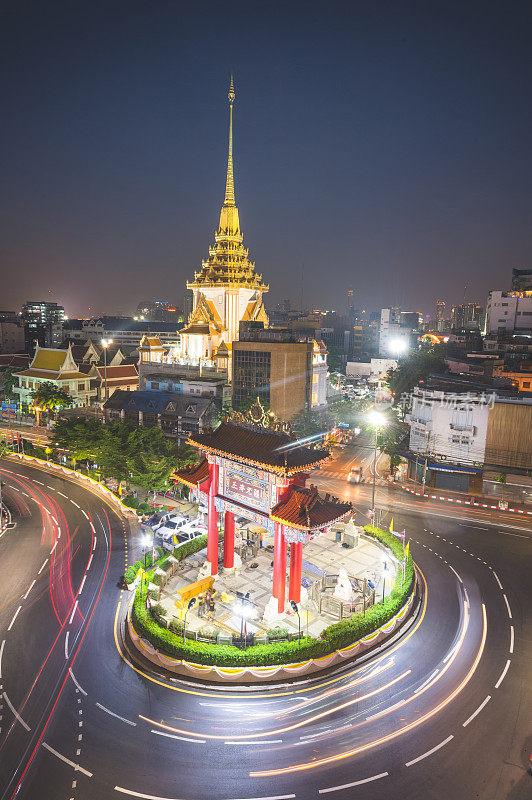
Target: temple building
{"x":226,"y":290}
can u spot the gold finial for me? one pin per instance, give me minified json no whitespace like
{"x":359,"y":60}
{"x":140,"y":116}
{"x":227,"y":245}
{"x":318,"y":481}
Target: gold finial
{"x":230,"y":184}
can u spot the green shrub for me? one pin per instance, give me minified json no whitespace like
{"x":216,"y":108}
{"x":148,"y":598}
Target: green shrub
{"x":277,"y":633}
{"x":130,"y":501}
{"x":130,"y":574}
{"x":137,"y":565}
{"x":144,"y":508}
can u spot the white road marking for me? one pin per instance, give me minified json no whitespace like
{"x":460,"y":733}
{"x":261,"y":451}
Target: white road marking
{"x":76,"y":683}
{"x":82,"y":584}
{"x":94,"y":545}
{"x":25,"y":596}
{"x":73,"y":612}
{"x":15,"y":712}
{"x":61,"y":493}
{"x":429,"y":752}
{"x":455,"y":572}
{"x":74,"y":503}
{"x":88,"y":565}
{"x":507,"y":606}
{"x":505,"y":670}
{"x":174,"y":736}
{"x":479,"y":709}
{"x":67,"y":760}
{"x":53,"y":548}
{"x":43,"y":566}
{"x":112,"y":713}
{"x":84,"y":513}
{"x":1,"y":654}
{"x":66,"y":644}
{"x":387,"y":710}
{"x":36,"y":481}
{"x":15,"y":615}
{"x":496,"y":577}
{"x":511,"y":638}
{"x":427,"y":681}
{"x":355,"y":783}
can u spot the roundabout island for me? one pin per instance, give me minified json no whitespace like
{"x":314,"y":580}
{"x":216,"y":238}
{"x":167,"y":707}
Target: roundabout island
{"x":217,"y":606}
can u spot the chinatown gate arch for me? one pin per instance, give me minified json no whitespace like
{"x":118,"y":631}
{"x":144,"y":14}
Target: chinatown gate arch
{"x":261,"y":475}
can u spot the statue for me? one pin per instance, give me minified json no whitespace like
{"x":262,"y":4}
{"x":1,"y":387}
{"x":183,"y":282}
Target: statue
{"x":271,"y":615}
{"x":343,"y":589}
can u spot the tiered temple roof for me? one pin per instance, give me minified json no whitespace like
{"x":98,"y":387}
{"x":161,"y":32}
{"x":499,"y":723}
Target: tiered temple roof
{"x":193,"y":476}
{"x":258,"y":447}
{"x":228,"y":263}
{"x":305,"y":509}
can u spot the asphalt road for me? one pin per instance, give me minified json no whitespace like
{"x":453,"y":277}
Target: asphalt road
{"x":443,"y":713}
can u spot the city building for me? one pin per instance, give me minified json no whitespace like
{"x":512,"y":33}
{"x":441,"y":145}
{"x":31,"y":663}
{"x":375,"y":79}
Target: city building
{"x":396,"y":337}
{"x":159,"y":311}
{"x":227,"y":289}
{"x":12,"y":336}
{"x":114,"y":377}
{"x":287,"y":375}
{"x":125,"y":332}
{"x":522,"y":280}
{"x":374,"y":370}
{"x":43,"y":323}
{"x":178,"y":416}
{"x":466,"y":316}
{"x":191,"y":385}
{"x":509,"y":312}
{"x":57,"y":367}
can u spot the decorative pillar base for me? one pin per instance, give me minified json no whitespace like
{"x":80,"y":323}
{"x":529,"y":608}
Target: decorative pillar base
{"x":229,"y":540}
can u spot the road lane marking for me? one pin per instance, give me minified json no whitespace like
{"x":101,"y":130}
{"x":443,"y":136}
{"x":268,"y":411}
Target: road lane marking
{"x":66,"y":644}
{"x":15,"y":615}
{"x":511,"y":638}
{"x":53,"y":548}
{"x":25,"y":596}
{"x":61,"y":493}
{"x":66,"y":760}
{"x":74,"y":503}
{"x":496,"y":578}
{"x":419,"y":688}
{"x":112,"y":713}
{"x":73,"y":612}
{"x":15,"y":712}
{"x":455,"y":572}
{"x":1,"y":654}
{"x":174,"y":736}
{"x":43,"y":566}
{"x":479,"y":709}
{"x":82,"y":584}
{"x":355,"y":783}
{"x":429,"y":752}
{"x":158,"y":797}
{"x":505,"y":670}
{"x":85,"y":513}
{"x":507,"y":606}
{"x":76,"y":683}
{"x":387,"y":710}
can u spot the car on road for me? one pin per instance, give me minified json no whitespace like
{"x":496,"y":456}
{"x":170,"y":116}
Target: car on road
{"x":355,"y":475}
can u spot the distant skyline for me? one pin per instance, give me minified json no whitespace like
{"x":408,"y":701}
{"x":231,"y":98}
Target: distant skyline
{"x":385,"y":147}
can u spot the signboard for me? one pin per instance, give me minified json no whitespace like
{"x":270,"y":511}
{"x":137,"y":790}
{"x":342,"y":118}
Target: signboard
{"x":246,"y":489}
{"x":9,"y":409}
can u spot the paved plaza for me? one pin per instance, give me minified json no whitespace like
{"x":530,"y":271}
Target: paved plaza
{"x":324,"y":556}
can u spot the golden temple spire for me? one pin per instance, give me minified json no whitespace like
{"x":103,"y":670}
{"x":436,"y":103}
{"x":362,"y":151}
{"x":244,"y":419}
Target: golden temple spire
{"x":230,"y":183}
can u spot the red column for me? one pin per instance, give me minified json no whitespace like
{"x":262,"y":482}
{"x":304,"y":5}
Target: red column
{"x":229,"y":540}
{"x":296,"y":558}
{"x":279,"y":567}
{"x":212,"y":526}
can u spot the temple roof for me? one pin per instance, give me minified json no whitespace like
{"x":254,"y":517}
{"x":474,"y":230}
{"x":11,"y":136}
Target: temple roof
{"x":306,"y":510}
{"x":259,"y":447}
{"x":192,"y":476}
{"x":228,"y":262}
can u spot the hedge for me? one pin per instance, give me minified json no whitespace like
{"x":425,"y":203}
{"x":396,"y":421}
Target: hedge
{"x":336,"y":636}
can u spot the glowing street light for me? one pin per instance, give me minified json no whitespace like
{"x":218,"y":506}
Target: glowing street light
{"x":399,"y":346}
{"x":105,"y":345}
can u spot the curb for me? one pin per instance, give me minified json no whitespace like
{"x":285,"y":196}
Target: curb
{"x":523,"y":512}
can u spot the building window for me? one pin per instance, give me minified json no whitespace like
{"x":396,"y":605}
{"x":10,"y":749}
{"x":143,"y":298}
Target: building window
{"x":81,"y":387}
{"x":251,"y":376}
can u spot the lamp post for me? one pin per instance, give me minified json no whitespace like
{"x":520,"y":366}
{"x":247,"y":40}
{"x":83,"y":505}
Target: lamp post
{"x":385,"y":569}
{"x":377,"y":420}
{"x":191,"y":604}
{"x":105,"y":345}
{"x":296,"y":609}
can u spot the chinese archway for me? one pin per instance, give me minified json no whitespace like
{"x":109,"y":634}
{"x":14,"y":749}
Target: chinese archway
{"x":260,"y":474}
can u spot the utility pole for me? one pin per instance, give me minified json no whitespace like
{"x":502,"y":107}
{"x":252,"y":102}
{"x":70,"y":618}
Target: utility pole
{"x":426,"y":464}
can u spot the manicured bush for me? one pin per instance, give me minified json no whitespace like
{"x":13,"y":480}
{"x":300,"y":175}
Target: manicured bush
{"x":144,"y":508}
{"x":130,"y":574}
{"x":277,"y":633}
{"x":130,"y":501}
{"x":336,"y":636}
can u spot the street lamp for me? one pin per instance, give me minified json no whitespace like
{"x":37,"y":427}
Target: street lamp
{"x":296,"y":609}
{"x":385,"y":569}
{"x":105,"y":345}
{"x":147,"y":541}
{"x":191,"y":604}
{"x":377,"y":420}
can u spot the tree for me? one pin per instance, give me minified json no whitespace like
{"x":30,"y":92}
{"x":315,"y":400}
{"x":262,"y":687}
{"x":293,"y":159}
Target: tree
{"x":49,"y":397}
{"x":502,"y":480}
{"x":417,"y":367}
{"x":8,"y":382}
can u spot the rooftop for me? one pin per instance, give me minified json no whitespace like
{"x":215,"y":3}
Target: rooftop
{"x":305,"y":509}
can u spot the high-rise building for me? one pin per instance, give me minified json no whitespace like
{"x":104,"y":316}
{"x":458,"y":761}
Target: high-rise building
{"x":509,"y":312}
{"x":466,"y":316}
{"x":227,"y":289}
{"x":43,"y":323}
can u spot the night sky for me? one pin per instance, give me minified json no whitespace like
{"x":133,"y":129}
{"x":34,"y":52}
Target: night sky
{"x":383,"y":145}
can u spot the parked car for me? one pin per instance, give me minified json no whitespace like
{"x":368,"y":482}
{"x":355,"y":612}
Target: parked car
{"x":171,"y":526}
{"x":355,"y":475}
{"x":172,"y":541}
